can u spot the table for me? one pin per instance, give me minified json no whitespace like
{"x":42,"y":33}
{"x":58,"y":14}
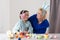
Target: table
{"x":3,"y":36}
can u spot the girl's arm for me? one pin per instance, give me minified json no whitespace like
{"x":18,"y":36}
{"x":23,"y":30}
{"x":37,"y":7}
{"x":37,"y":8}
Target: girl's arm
{"x":16,"y":28}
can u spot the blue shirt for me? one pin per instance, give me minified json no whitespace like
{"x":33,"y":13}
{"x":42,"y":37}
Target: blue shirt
{"x":38,"y":28}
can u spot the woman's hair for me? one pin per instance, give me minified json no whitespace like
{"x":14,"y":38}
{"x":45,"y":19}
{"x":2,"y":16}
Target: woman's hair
{"x":43,"y":11}
{"x":24,"y":11}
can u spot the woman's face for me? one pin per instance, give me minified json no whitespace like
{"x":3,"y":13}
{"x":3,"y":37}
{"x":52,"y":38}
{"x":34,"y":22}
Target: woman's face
{"x":25,"y":16}
{"x":39,"y":15}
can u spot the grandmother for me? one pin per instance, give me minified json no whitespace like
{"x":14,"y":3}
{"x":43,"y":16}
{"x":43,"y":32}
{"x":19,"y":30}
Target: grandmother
{"x":39,"y":22}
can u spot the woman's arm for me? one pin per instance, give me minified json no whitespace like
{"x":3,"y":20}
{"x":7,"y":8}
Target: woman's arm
{"x":47,"y":30}
{"x":30,"y":28}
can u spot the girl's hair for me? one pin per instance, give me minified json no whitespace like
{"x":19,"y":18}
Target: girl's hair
{"x":24,"y":11}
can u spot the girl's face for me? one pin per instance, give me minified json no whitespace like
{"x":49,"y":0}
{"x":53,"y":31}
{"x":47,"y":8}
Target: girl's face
{"x":25,"y":16}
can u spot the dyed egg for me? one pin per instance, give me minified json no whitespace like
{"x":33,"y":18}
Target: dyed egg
{"x":39,"y":37}
{"x":16,"y":36}
{"x":55,"y":36}
{"x":28,"y":37}
{"x":46,"y":36}
{"x":21,"y":36}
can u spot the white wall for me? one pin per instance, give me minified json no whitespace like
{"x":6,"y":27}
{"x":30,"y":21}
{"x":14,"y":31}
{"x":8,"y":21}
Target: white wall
{"x":4,"y":15}
{"x":9,"y":11}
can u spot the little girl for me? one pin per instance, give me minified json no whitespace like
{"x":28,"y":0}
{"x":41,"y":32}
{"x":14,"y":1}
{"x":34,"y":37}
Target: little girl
{"x":23,"y":25}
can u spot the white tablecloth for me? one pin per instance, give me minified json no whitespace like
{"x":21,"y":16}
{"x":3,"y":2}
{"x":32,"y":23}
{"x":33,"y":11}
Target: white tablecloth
{"x":3,"y":36}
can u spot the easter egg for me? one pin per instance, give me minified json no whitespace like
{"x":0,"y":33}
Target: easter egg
{"x":16,"y":36}
{"x":46,"y":36}
{"x":39,"y":37}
